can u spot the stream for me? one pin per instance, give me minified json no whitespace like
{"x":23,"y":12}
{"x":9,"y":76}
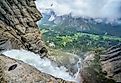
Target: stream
{"x":44,"y":64}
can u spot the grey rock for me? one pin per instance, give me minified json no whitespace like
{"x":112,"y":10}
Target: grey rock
{"x":111,"y":62}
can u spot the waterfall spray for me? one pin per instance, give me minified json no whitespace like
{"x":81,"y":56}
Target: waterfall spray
{"x":43,"y":64}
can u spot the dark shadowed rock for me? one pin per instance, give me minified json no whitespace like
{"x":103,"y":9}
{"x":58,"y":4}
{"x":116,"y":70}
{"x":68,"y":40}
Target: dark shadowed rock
{"x":111,"y":62}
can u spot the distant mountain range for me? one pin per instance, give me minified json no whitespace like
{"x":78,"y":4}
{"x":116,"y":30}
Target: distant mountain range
{"x":81,"y":24}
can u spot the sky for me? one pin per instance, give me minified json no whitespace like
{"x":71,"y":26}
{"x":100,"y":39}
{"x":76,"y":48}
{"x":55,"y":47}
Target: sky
{"x":87,"y":8}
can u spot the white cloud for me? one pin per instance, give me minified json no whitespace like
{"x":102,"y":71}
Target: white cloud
{"x":89,"y":8}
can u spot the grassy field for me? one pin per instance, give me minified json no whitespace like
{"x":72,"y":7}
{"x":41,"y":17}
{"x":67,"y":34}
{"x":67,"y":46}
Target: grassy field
{"x":78,"y":42}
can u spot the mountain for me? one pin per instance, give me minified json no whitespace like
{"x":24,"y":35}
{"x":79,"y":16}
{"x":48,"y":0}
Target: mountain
{"x":66,"y":23}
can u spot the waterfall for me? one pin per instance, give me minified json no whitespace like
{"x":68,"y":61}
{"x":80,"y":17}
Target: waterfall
{"x":43,"y":64}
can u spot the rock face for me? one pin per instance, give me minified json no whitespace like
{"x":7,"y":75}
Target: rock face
{"x":18,"y":30}
{"x":15,"y":71}
{"x":106,"y":68}
{"x":88,"y":73}
{"x":111,"y":62}
{"x":91,"y":71}
{"x":18,"y":27}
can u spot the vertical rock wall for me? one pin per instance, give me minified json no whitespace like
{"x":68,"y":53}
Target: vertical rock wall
{"x":18,"y":28}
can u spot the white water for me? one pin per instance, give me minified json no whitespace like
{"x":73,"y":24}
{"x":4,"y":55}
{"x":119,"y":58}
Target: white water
{"x":44,"y":65}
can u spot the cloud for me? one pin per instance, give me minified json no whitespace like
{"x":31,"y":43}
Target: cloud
{"x":87,"y":8}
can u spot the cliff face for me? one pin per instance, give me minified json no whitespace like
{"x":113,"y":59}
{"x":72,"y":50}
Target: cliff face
{"x":111,"y":62}
{"x":18,"y":28}
{"x":104,"y":67}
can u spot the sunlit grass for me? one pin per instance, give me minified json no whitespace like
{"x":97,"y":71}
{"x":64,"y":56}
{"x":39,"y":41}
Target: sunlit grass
{"x":81,"y":41}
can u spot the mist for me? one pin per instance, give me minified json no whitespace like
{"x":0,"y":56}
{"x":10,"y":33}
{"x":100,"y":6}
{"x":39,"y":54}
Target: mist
{"x":109,"y":9}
